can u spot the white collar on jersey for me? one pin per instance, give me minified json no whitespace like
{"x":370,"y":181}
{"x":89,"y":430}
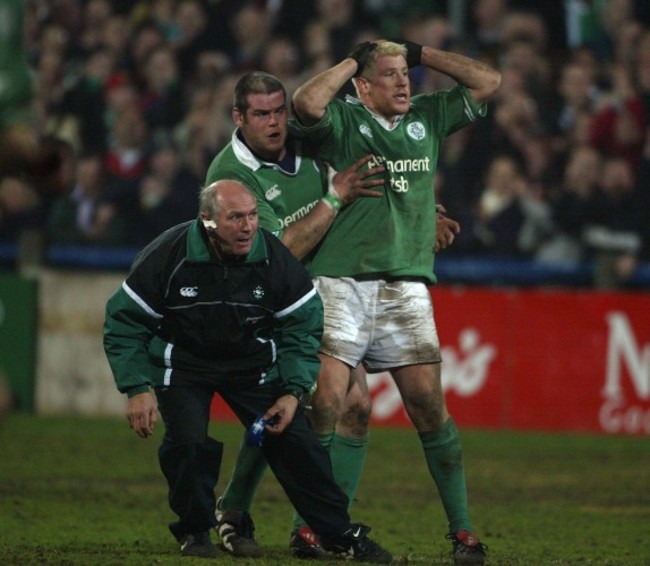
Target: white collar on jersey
{"x":379,"y":119}
{"x":248,"y":158}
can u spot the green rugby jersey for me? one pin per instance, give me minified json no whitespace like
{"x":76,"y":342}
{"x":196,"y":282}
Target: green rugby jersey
{"x":283,"y":197}
{"x":393,"y":235}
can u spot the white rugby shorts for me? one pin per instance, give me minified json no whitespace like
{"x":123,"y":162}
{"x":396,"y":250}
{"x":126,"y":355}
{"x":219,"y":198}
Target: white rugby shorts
{"x":383,"y":323}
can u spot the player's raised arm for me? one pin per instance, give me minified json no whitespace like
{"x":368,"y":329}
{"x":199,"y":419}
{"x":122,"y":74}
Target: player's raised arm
{"x":480,"y":79}
{"x":311,"y":99}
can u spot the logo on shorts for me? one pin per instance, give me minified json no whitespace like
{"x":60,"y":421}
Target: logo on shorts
{"x":415,"y":130}
{"x":365,"y":130}
{"x":258,"y":292}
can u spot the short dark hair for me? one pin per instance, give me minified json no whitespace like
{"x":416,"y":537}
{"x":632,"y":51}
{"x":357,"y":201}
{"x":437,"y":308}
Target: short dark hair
{"x":255,"y":82}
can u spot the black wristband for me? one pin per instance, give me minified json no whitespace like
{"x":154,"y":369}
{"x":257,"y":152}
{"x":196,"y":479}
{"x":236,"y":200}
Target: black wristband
{"x":413,"y":52}
{"x":296,"y":391}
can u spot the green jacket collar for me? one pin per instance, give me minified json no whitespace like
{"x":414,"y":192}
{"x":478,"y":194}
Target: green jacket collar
{"x":198,"y":250}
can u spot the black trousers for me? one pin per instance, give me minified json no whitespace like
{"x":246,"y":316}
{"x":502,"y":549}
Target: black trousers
{"x":190,"y":460}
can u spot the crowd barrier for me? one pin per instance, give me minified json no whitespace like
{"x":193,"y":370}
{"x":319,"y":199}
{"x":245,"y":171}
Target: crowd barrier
{"x":451,"y":269}
{"x":516,"y":357}
{"x":551,"y":360}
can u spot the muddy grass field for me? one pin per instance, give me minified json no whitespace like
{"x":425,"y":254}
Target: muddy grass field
{"x":79,"y":491}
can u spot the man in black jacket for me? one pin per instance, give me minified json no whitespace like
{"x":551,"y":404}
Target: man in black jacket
{"x":216,"y":305}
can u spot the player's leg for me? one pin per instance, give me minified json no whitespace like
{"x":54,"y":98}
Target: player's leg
{"x":190,"y":461}
{"x":247,"y":474}
{"x":235,"y":525}
{"x":328,"y":402}
{"x":349,"y":445}
{"x":406,"y":343}
{"x":302,"y":467}
{"x":341,"y":392}
{"x":421,"y":390}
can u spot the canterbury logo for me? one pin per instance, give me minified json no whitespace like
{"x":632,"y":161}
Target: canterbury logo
{"x":189,"y":291}
{"x":272,"y":193}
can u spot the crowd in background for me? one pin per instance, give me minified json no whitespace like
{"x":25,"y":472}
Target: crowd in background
{"x":139,"y":96}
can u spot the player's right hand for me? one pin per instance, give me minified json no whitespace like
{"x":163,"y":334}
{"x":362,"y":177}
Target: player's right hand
{"x":142,"y":413}
{"x":356,"y":181}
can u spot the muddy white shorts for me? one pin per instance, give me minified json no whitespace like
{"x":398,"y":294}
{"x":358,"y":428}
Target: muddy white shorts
{"x":382,"y":323}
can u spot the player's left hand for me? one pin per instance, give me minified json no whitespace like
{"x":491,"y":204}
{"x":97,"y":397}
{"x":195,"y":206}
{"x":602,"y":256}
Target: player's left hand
{"x":355,"y":181}
{"x":284,"y":410}
{"x":446,"y":229}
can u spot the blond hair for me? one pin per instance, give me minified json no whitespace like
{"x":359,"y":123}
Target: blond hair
{"x":383,"y":49}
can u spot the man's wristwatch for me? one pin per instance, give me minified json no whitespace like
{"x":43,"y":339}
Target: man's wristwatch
{"x":299,"y":394}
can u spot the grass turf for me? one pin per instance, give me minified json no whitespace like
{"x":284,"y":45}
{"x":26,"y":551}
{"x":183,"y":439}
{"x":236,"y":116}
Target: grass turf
{"x":82,"y":491}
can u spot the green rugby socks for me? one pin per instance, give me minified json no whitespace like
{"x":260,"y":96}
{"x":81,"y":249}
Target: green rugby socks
{"x":348,"y":456}
{"x":444,"y":456}
{"x":247,"y":475}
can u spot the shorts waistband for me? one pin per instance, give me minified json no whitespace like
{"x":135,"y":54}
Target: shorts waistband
{"x":390,"y":278}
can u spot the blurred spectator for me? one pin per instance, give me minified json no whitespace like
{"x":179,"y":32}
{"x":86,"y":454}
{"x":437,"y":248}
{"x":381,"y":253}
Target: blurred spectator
{"x":82,"y":217}
{"x":615,"y":17}
{"x":117,"y":77}
{"x":523,"y":56}
{"x":618,"y":128}
{"x":291,"y":17}
{"x":49,"y":57}
{"x":525,"y":26}
{"x":251,"y":28}
{"x":615,"y":235}
{"x":485,"y":25}
{"x":20,"y":208}
{"x":21,"y":148}
{"x":518,"y":118}
{"x":575,"y":206}
{"x":145,"y":38}
{"x":163,"y":14}
{"x":338,"y":16}
{"x":161,"y":100}
{"x":510,"y":220}
{"x":316,"y":48}
{"x":211,"y":67}
{"x":388,"y":15}
{"x":207,"y":125}
{"x":642,"y":74}
{"x":577,"y":91}
{"x":125,"y":157}
{"x":96,"y":15}
{"x":499,"y":216}
{"x":193,"y":36}
{"x":282,"y":59}
{"x":85,"y":101}
{"x":167,"y":193}
{"x":115,"y":37}
{"x":156,"y":211}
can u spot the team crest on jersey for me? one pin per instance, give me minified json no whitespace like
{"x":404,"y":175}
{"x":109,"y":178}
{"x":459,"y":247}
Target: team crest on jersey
{"x":272,"y":193}
{"x":415,"y":130}
{"x":365,"y":130}
{"x":258,"y":292}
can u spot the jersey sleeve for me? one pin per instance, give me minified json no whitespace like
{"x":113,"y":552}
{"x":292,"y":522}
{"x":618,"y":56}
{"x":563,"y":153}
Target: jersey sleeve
{"x":132,"y":315}
{"x":324,"y":131}
{"x":449,"y":110}
{"x":299,"y":321}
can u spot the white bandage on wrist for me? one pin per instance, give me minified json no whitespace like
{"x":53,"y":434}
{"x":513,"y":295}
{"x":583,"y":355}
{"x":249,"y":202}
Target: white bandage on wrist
{"x":331,"y":189}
